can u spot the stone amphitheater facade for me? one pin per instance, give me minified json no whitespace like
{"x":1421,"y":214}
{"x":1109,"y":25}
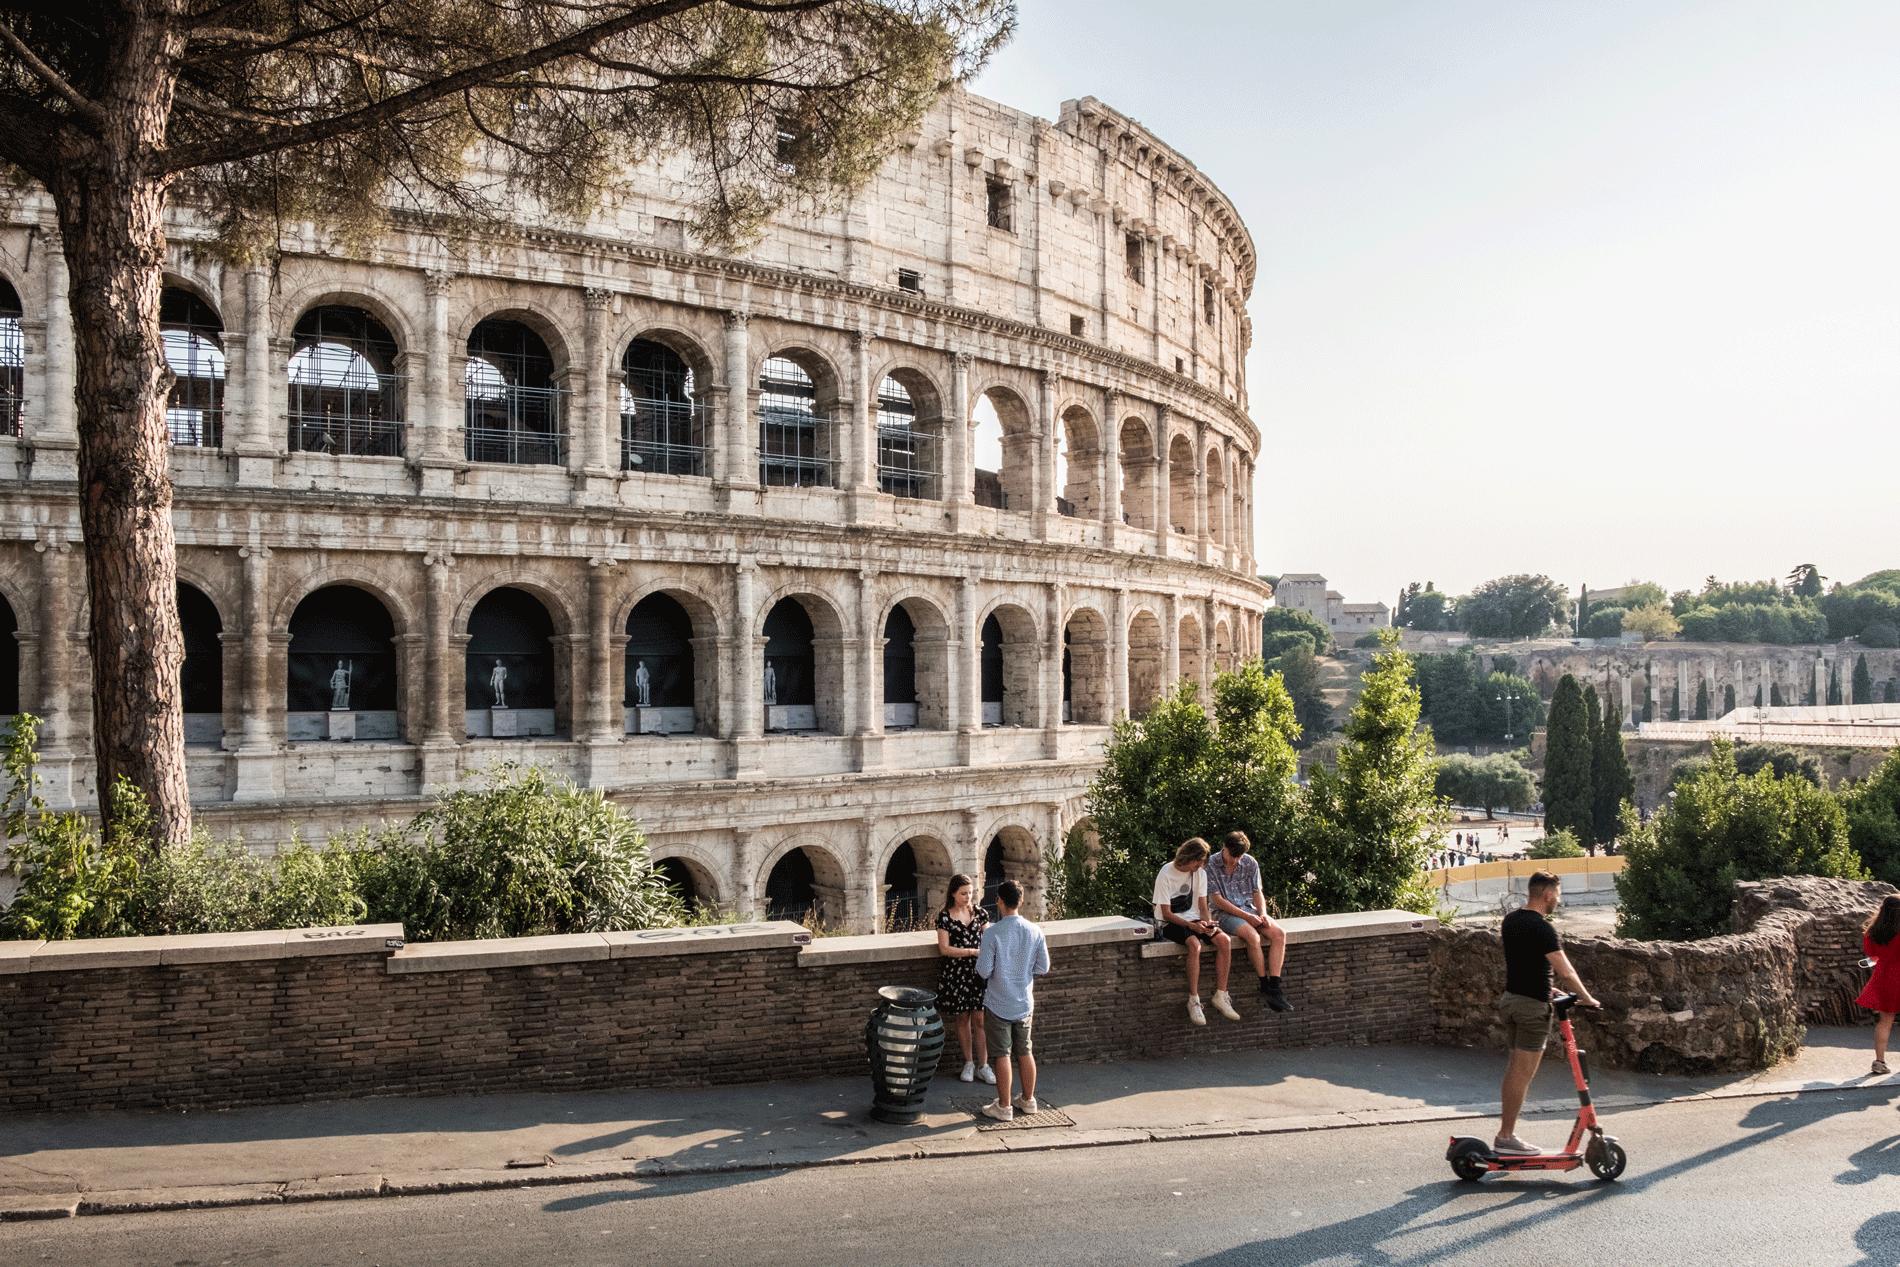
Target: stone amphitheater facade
{"x":704,"y":531}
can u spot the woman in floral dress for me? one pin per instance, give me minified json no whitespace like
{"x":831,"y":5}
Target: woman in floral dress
{"x":960,"y":927}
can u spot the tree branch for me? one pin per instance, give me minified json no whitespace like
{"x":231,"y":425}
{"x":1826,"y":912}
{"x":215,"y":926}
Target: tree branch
{"x":88,"y":109}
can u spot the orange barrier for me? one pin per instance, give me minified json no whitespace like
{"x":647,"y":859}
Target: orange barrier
{"x":1514,"y":868}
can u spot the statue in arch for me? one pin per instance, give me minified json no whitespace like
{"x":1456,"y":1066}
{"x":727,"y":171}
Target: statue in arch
{"x":498,"y":684}
{"x":340,"y":688}
{"x":642,"y":682}
{"x":771,"y":685}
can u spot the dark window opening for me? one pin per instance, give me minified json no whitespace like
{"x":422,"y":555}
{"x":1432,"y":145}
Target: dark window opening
{"x":679,"y":878}
{"x":993,"y":876}
{"x":662,"y":429}
{"x":514,"y":410}
{"x":12,"y":361}
{"x":341,"y":629}
{"x":1078,"y":326}
{"x":900,"y":658}
{"x":345,"y":395}
{"x":901,"y":906}
{"x":910,"y":279}
{"x":992,"y":662}
{"x":788,"y":890}
{"x":790,"y":677}
{"x":201,"y":676}
{"x":510,"y":658}
{"x":193,"y":337}
{"x":1207,"y":302}
{"x":999,"y":201}
{"x":9,"y":659}
{"x":1137,"y":250}
{"x":1180,"y":365}
{"x":660,"y":643}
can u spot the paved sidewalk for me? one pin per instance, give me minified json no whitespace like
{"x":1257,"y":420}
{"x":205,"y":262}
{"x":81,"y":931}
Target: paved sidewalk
{"x":59,"y":1165}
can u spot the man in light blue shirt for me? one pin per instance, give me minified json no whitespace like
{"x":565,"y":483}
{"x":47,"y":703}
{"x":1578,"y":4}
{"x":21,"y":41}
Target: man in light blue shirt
{"x":1013,"y":955}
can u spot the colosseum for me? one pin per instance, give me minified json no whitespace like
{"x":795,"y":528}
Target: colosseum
{"x":719,"y":535}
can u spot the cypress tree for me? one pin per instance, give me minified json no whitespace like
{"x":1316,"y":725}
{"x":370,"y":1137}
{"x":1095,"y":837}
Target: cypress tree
{"x":1774,"y":695}
{"x":1863,"y":681}
{"x":1593,"y":736}
{"x":1702,"y":700}
{"x":1567,"y":792}
{"x":1728,"y":699}
{"x":1834,"y":686}
{"x":1675,"y":704}
{"x":1758,"y":697}
{"x":1610,"y":775}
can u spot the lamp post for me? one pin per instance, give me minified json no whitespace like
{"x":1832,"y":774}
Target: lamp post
{"x":1508,"y":698}
{"x":1761,"y":723}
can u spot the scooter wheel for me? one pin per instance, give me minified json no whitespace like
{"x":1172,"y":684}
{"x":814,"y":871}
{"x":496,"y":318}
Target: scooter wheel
{"x":1607,"y":1160}
{"x":1468,"y":1168}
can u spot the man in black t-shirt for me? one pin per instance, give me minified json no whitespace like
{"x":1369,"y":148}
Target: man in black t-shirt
{"x":1531,"y":955}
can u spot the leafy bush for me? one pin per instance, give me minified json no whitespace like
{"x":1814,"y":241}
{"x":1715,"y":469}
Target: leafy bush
{"x":1720,"y":828}
{"x":1872,"y":807}
{"x":1604,"y":622}
{"x":1365,"y":640}
{"x":1880,"y":633}
{"x":72,"y":884}
{"x":204,"y":886}
{"x":1292,"y":620}
{"x":1556,"y":844}
{"x":1494,"y":782}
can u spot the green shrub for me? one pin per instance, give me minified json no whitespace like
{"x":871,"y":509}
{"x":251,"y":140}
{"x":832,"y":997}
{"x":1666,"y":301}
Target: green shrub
{"x":72,"y":884}
{"x":1557,"y":844}
{"x":203,"y":886}
{"x":1365,"y":640}
{"x":1880,"y":633}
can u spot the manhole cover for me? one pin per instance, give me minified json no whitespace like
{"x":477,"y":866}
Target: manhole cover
{"x":1047,"y":1115}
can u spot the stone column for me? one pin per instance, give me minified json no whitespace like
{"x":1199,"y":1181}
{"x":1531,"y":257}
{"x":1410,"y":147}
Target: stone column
{"x":858,"y":415}
{"x":1210,"y":647}
{"x":960,"y":486}
{"x":970,"y":845}
{"x":1048,"y":438}
{"x":1163,"y":489}
{"x":440,"y":415}
{"x":741,"y":492}
{"x":1170,"y":642}
{"x":968,"y":713}
{"x":745,"y":897}
{"x":748,"y":713}
{"x":870,"y":732}
{"x":445,"y":720}
{"x":1767,"y":686}
{"x":259,"y":771}
{"x":62,"y":732}
{"x":601,"y":719}
{"x":1685,"y":698}
{"x":1111,"y":507}
{"x":592,"y":410}
{"x":1626,"y":678}
{"x":1118,"y":657}
{"x":52,"y":423}
{"x":1052,"y":674}
{"x":250,"y":430}
{"x":1203,"y":513}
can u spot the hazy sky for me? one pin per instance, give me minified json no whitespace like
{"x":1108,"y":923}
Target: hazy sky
{"x":1598,"y":288}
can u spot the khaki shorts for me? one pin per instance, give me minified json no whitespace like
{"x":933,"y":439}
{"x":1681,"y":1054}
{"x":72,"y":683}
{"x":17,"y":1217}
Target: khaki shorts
{"x":1526,"y":1021}
{"x":1006,"y":1038}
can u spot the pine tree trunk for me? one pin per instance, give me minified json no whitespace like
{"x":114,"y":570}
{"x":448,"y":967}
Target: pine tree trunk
{"x":111,"y":210}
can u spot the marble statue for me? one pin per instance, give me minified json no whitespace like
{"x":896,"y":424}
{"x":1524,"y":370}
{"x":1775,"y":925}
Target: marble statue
{"x":498,"y":684}
{"x":642,"y":682}
{"x":340,"y":688}
{"x":771,"y":685}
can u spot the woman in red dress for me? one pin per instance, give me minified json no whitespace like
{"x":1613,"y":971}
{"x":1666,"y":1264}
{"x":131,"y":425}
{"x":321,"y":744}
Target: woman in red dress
{"x":1882,"y":995}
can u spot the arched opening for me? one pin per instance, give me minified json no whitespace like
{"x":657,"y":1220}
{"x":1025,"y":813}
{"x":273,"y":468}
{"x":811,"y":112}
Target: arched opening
{"x":9,"y":660}
{"x":1138,"y":475}
{"x":1009,"y":664}
{"x":993,"y":874}
{"x":1181,"y":486}
{"x":1080,"y":476}
{"x":1144,"y":664}
{"x":1085,"y":696}
{"x":931,"y":867}
{"x":679,"y":878}
{"x":1223,"y":648}
{"x":909,"y":463}
{"x":345,"y":394}
{"x":1216,"y":501}
{"x":900,"y":670}
{"x":193,"y":338}
{"x":1002,"y":452}
{"x":806,"y":886}
{"x":1190,"y":644}
{"x":201,"y":676}
{"x":791,"y":668}
{"x":510,"y":670}
{"x":660,"y":696}
{"x":902,"y":908}
{"x":12,"y":361}
{"x":797,"y":442}
{"x":1012,"y":854}
{"x":341,"y":673}
{"x":514,"y":413}
{"x":662,"y":428}
{"x":992,"y":672}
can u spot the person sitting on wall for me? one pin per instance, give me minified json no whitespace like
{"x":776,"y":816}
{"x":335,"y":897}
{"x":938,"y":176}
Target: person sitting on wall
{"x":1532,"y":954}
{"x":1180,"y":899}
{"x":1239,"y":904}
{"x":1013,"y":955}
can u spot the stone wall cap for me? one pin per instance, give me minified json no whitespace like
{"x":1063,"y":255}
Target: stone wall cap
{"x":344,"y":939}
{"x":498,"y":952}
{"x":765,"y":935}
{"x":830,"y":952}
{"x":222,"y":947}
{"x":17,"y":956}
{"x":1307,"y":929}
{"x":99,"y":952}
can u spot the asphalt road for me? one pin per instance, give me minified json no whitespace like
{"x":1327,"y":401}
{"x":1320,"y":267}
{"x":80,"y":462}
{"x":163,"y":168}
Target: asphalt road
{"x":1801,"y":1180}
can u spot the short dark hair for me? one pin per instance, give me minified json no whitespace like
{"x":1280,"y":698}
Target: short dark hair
{"x":1010,"y":894}
{"x":1235,"y":843}
{"x":1542,"y":882}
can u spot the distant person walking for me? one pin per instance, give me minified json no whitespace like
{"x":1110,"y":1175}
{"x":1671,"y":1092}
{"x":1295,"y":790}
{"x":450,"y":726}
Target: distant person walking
{"x":1532,"y":955}
{"x":1013,"y":955}
{"x":960,"y":926}
{"x":1882,"y":995}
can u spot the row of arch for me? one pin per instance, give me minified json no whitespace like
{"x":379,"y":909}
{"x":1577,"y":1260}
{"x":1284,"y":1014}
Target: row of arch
{"x":342,"y":675}
{"x":347,"y":363}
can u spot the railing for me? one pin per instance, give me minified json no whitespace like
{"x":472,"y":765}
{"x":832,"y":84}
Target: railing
{"x":520,"y":426}
{"x":357,"y":418}
{"x":662,"y":437}
{"x":794,"y":449}
{"x":12,"y":404}
{"x":195,"y":428}
{"x":905,"y":461}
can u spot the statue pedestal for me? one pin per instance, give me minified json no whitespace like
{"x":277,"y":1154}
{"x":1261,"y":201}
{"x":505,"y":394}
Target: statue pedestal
{"x":341,"y":724}
{"x":501,"y":723}
{"x":648,"y":721}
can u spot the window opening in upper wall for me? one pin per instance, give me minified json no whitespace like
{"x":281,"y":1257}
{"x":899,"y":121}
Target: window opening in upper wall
{"x":999,"y":206}
{"x":1137,"y":249}
{"x":1207,"y":302}
{"x":787,"y":151}
{"x":1180,"y":365}
{"x":193,"y":338}
{"x":794,"y":438}
{"x":344,"y":394}
{"x":514,"y":412}
{"x":662,"y":429}
{"x":910,"y":279}
{"x":12,"y":360}
{"x":1078,"y":326}
{"x":906,"y":457}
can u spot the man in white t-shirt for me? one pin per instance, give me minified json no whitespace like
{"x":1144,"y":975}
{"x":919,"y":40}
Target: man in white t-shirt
{"x":1181,"y":906}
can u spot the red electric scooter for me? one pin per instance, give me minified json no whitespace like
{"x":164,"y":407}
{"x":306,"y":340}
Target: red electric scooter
{"x":1472,"y":1158}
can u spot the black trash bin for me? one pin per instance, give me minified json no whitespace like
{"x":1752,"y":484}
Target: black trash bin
{"x":904,"y":1041}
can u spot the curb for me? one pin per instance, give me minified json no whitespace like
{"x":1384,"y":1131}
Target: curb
{"x":545,"y":1173}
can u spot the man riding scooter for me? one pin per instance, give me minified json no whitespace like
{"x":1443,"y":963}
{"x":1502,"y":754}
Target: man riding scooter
{"x":1532,"y":954}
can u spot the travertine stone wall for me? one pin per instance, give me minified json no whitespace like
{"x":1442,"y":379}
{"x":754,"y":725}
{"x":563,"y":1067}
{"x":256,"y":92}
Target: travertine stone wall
{"x":1100,"y":320}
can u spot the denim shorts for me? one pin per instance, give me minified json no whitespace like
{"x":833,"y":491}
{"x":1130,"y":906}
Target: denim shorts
{"x":1231,"y":924}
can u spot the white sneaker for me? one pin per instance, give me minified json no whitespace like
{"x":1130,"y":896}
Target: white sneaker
{"x":969,"y":1072}
{"x":1225,"y":1005}
{"x":1195,"y":1013}
{"x":987,"y":1074}
{"x":1026,"y":1104}
{"x":1001,"y":1112}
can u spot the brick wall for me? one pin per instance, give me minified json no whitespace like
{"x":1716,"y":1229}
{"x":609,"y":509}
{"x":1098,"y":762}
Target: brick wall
{"x":344,"y":1024}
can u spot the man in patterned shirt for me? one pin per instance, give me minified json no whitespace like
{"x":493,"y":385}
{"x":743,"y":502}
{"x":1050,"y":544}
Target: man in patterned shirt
{"x":1234,"y":895}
